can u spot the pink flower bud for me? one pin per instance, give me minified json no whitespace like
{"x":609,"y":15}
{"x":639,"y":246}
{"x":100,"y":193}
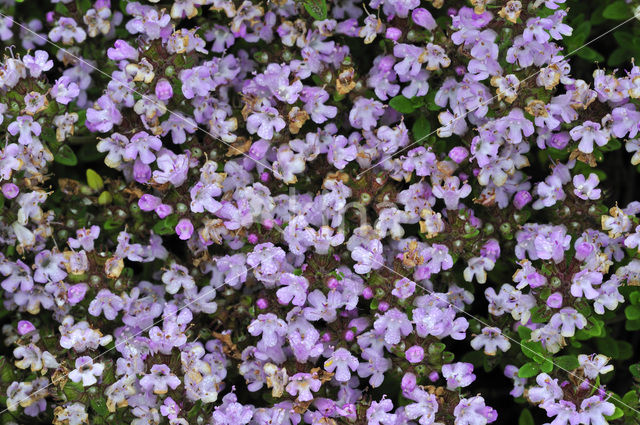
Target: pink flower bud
{"x":367,"y":293}
{"x":349,"y":335}
{"x":555,"y":300}
{"x":76,"y":293}
{"x":24,"y":327}
{"x":393,"y":34}
{"x":163,"y":210}
{"x":10,"y":190}
{"x":184,"y":229}
{"x":458,"y":154}
{"x":164,"y":91}
{"x":414,"y":354}
{"x":332,"y":283}
{"x":521,"y":199}
{"x":422,"y":17}
{"x":149,"y":202}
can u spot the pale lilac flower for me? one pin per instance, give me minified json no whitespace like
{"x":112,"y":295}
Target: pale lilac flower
{"x":586,"y":188}
{"x":159,"y":380}
{"x":27,"y":127}
{"x":490,"y":340}
{"x":302,"y":384}
{"x":38,"y":63}
{"x":86,"y":371}
{"x":458,"y":374}
{"x":341,"y":361}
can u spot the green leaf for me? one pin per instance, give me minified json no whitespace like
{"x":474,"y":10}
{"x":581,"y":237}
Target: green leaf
{"x":580,"y":34}
{"x":632,"y":325}
{"x":617,"y":11}
{"x":630,"y":398}
{"x":632,"y":312}
{"x":623,"y":38}
{"x":112,"y":224}
{"x":84,"y":5}
{"x":635,"y":370}
{"x":431,"y":101}
{"x":421,"y":128}
{"x":526,"y":418}
{"x":567,"y":362}
{"x":546,"y":366}
{"x":167,"y":225}
{"x":524,"y":332}
{"x":94,"y":180}
{"x":402,"y":104}
{"x":616,"y":415}
{"x":99,"y":406}
{"x":62,"y":9}
{"x":614,"y":144}
{"x":589,"y":54}
{"x":316,"y":8}
{"x":618,"y":57}
{"x":65,"y":155}
{"x":531,"y":349}
{"x":528,"y":370}
{"x":73,"y":390}
{"x":105,"y":198}
{"x":608,"y":346}
{"x":89,"y":153}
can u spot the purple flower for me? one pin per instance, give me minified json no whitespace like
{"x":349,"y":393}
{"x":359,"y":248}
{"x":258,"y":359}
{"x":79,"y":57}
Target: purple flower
{"x":177,"y":277}
{"x":265,"y":122}
{"x":27,"y":127}
{"x":107,"y":303}
{"x":159,"y":380}
{"x":589,"y":133}
{"x":586,"y":188}
{"x":172,"y":168}
{"x":473,"y":411}
{"x":490,"y":340}
{"x":365,"y":113}
{"x":302,"y":384}
{"x":368,"y":258}
{"x":86,"y":371}
{"x":38,"y":63}
{"x":293,"y":290}
{"x":85,"y":238}
{"x":140,"y":146}
{"x":458,"y":375}
{"x":341,"y":361}
{"x":270,"y":327}
{"x":68,"y":31}
{"x":103,"y":116}
{"x":393,"y":324}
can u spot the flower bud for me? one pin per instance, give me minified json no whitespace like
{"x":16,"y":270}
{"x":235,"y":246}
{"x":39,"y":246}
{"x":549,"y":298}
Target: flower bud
{"x":164,"y":91}
{"x":423,"y":18}
{"x":521,"y":199}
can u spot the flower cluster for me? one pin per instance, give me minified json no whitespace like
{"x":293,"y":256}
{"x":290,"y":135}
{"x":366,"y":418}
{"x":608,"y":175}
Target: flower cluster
{"x":236,"y":211}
